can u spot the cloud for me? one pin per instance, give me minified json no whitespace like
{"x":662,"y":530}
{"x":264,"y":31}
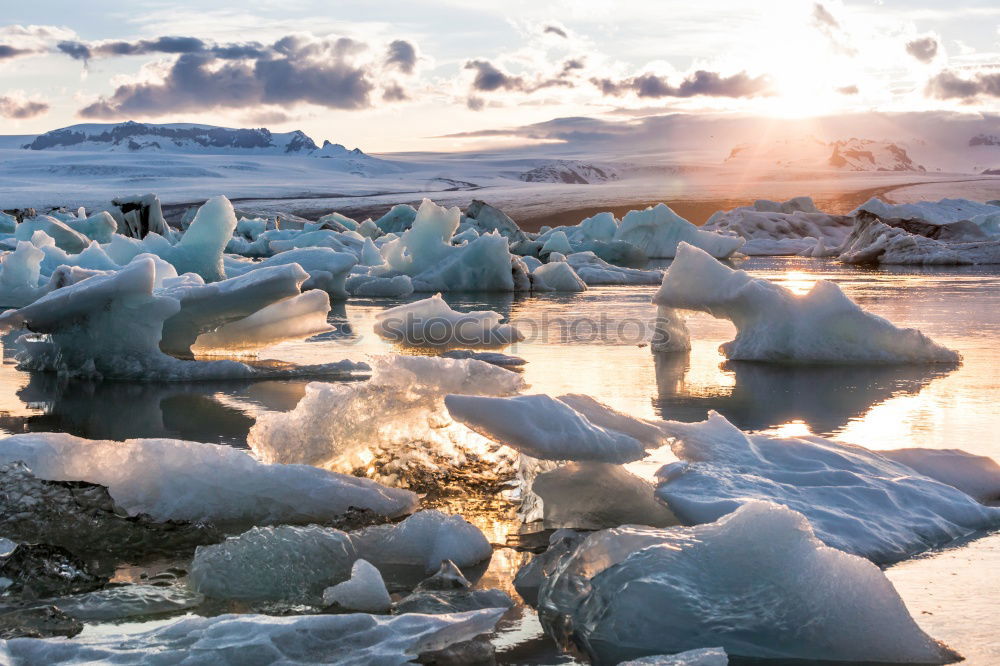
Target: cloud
{"x":831,"y":28}
{"x":475,"y":103}
{"x":923,"y":49}
{"x":701,"y":82}
{"x":393,"y":92}
{"x":295,"y":69}
{"x":401,"y":55}
{"x":20,"y":108}
{"x":949,"y":85}
{"x":555,"y":30}
{"x":489,"y":78}
{"x":848,"y":90}
{"x":21,"y":40}
{"x":86,"y":51}
{"x":7,"y":51}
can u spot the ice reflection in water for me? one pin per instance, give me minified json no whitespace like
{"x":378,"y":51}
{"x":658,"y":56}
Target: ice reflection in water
{"x":877,"y":407}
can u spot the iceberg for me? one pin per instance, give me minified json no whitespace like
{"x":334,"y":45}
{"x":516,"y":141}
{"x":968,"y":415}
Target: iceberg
{"x":774,"y":324}
{"x":390,"y":426}
{"x":364,"y":592}
{"x":65,"y":237}
{"x":974,"y":475}
{"x":425,"y":253}
{"x":745,"y":583}
{"x":200,"y":249}
{"x":432,"y":323}
{"x":857,"y":500}
{"x":572,"y":427}
{"x":772,"y":228}
{"x":290,"y":319}
{"x":943,"y":212}
{"x":327,"y":269}
{"x":877,"y":240}
{"x":657,"y":230}
{"x":448,"y":591}
{"x":111,"y":325}
{"x":484,"y":218}
{"x":231,"y":640}
{"x":198,"y":482}
{"x":595,"y":271}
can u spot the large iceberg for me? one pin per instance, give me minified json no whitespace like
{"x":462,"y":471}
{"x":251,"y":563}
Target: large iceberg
{"x":387,"y":426}
{"x":857,"y":500}
{"x":757,"y":583}
{"x":943,"y":212}
{"x":657,"y":230}
{"x":173,"y":479}
{"x":774,"y":324}
{"x":432,"y":323}
{"x":235,"y":640}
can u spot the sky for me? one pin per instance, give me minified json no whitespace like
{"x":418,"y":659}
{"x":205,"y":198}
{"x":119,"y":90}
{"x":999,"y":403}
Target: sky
{"x":444,"y":75}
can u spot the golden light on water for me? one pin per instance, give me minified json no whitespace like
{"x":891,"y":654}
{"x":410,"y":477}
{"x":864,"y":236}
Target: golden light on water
{"x":798,"y":282}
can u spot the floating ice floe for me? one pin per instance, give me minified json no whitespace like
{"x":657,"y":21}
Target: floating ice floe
{"x":192,"y":481}
{"x":364,"y":592}
{"x":774,"y":324}
{"x":327,"y":269}
{"x":391,"y":426}
{"x":432,"y":323}
{"x":771,"y":228}
{"x":229,"y":640}
{"x":595,"y":271}
{"x":112,"y":325}
{"x":543,"y":427}
{"x":744,"y":583}
{"x":884,"y":240}
{"x":448,"y":591}
{"x":699,"y":657}
{"x":944,"y":212}
{"x":974,"y":475}
{"x":129,"y":601}
{"x":657,"y":231}
{"x":494,"y":358}
{"x":857,"y":500}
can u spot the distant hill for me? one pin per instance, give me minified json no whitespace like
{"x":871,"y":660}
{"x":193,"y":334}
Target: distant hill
{"x":570,"y":172}
{"x":812,"y":153}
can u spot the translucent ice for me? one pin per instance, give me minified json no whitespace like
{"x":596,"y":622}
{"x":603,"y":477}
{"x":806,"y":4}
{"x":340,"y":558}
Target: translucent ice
{"x":364,"y":591}
{"x":777,"y":325}
{"x":431,"y":322}
{"x":425,"y":539}
{"x":657,"y":230}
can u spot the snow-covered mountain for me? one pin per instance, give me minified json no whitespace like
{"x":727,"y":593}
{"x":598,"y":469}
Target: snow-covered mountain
{"x":812,"y":153}
{"x":571,"y":172}
{"x":174,"y":138}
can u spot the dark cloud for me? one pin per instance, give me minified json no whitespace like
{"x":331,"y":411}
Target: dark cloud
{"x":848,"y":90}
{"x":168,"y":45}
{"x":571,"y":65}
{"x":393,"y":92}
{"x":475,"y":103}
{"x":402,"y":55}
{"x":949,"y":85}
{"x":923,"y":49}
{"x":555,"y":30}
{"x":711,"y":84}
{"x":20,"y":109}
{"x":296,"y":70}
{"x":7,"y":51}
{"x":489,"y":77}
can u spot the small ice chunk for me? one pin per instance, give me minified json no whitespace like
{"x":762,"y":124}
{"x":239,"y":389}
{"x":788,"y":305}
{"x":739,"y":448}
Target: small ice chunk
{"x":425,"y":539}
{"x":364,"y":591}
{"x":543,"y":427}
{"x":283,"y":563}
{"x":557,"y":276}
{"x":557,"y":242}
{"x":431,"y":322}
{"x":595,"y":271}
{"x":658,"y":230}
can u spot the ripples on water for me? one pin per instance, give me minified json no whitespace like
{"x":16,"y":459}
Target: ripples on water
{"x":590,"y":343}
